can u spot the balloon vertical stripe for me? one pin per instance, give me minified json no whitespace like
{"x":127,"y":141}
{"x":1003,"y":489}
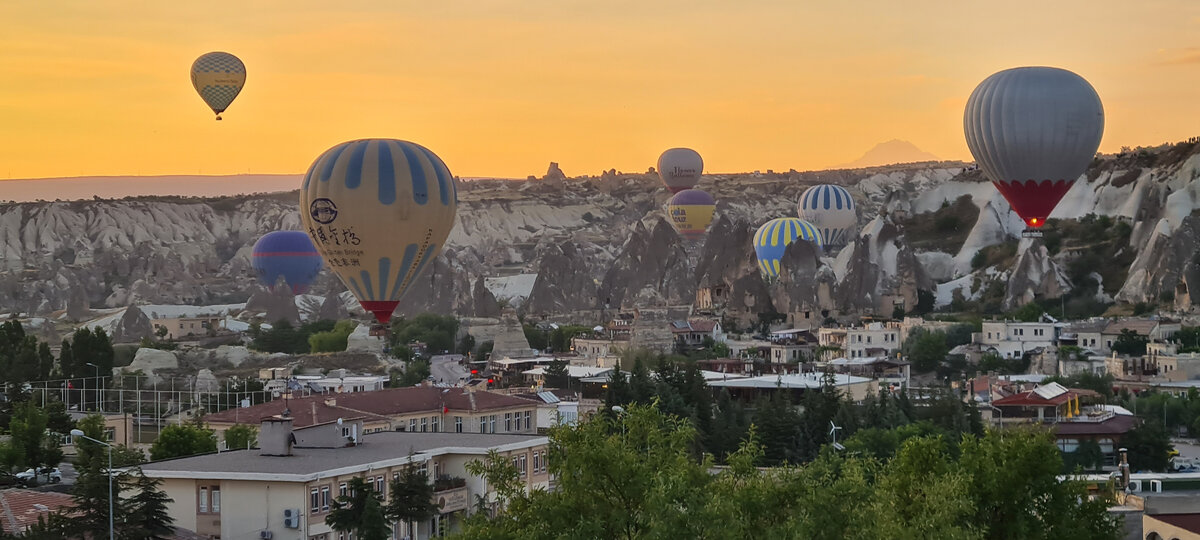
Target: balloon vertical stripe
{"x":410,"y":252}
{"x":330,"y":160}
{"x":416,"y":170}
{"x":385,"y":271}
{"x":354,"y":169}
{"x":443,"y":176}
{"x":387,"y":174}
{"x":773,"y":237}
{"x":366,"y":280}
{"x":830,"y":208}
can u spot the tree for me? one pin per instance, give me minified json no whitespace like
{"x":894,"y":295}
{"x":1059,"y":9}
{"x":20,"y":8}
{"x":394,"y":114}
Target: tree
{"x":359,"y":511}
{"x":333,"y":340}
{"x":90,"y":456}
{"x":241,"y":436}
{"x":1130,"y":343}
{"x":1148,"y":446}
{"x":412,"y":498}
{"x":557,"y":375}
{"x":415,"y":372}
{"x":926,"y":350}
{"x":183,"y":440}
{"x":30,"y":441}
{"x":145,"y":515}
{"x":437,"y":332}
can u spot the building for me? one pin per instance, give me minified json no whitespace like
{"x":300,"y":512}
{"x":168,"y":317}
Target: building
{"x":874,"y":339}
{"x":286,"y":488}
{"x":749,"y":388}
{"x":24,"y":507}
{"x":187,"y":327}
{"x":344,"y":384}
{"x":1152,"y":329}
{"x":1071,"y":419}
{"x":691,"y":333}
{"x":1013,"y":339}
{"x":883,"y":369}
{"x":574,"y":373}
{"x":118,"y":428}
{"x":831,"y":343}
{"x":412,"y":409}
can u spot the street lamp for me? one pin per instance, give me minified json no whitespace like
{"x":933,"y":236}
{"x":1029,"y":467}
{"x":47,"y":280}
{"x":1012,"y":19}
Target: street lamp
{"x":97,"y":371}
{"x":79,"y":433}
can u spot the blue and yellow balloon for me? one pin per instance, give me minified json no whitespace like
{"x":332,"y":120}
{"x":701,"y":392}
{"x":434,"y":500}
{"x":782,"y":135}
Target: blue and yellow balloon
{"x":378,"y":210}
{"x":218,"y":77}
{"x":773,"y":238}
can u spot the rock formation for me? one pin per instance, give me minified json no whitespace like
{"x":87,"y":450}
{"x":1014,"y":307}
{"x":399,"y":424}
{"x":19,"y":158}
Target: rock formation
{"x":564,"y":282}
{"x":652,"y":270}
{"x":133,"y":326}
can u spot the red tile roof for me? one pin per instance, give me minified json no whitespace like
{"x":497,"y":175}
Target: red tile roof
{"x":389,"y":402}
{"x":20,"y":512}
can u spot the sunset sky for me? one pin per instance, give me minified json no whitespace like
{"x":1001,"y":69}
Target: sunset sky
{"x":501,"y":88}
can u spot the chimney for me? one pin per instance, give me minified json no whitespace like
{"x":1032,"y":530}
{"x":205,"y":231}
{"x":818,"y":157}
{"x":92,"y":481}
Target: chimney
{"x":275,"y":436}
{"x":329,"y":402}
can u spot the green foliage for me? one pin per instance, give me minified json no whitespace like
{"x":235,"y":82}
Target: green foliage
{"x":960,"y":334}
{"x":30,"y":444}
{"x":1130,"y":343}
{"x":926,"y":350}
{"x":285,"y":338}
{"x":898,"y":312}
{"x":91,"y":456}
{"x":182,"y":440}
{"x":415,"y":372}
{"x":359,"y":511}
{"x":437,"y":332}
{"x":560,"y":338}
{"x":145,"y":515}
{"x":86,"y":346}
{"x":1148,"y":446}
{"x":635,"y":476}
{"x":1005,"y":366}
{"x":241,"y":436}
{"x":1088,"y":457}
{"x":412,"y":497}
{"x":22,"y":357}
{"x":332,"y":340}
{"x":1031,"y":312}
{"x":556,"y":374}
{"x":537,"y":338}
{"x":1188,"y":338}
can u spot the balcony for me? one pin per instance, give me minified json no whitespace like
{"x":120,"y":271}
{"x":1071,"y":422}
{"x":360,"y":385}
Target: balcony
{"x":450,"y":494}
{"x":446,"y":482}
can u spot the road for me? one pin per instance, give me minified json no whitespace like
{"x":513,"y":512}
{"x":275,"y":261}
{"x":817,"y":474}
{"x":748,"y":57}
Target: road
{"x":444,"y":368}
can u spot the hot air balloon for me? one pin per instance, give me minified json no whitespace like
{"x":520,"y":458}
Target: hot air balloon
{"x":378,"y":210}
{"x":289,"y":254}
{"x":691,"y":211}
{"x":1033,"y":131}
{"x":831,"y":209}
{"x":218,"y":78}
{"x":775,"y":235}
{"x":680,"y":168}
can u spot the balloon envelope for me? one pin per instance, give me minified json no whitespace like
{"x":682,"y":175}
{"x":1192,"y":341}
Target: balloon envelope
{"x":773,"y":238}
{"x":1033,"y":131}
{"x":691,"y":212}
{"x":378,"y":210}
{"x":680,"y":169}
{"x":287,"y":254}
{"x":218,"y":77}
{"x":831,"y":209}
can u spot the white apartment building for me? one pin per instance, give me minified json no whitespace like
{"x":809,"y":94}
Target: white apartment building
{"x":874,"y":339}
{"x":1012,"y":339}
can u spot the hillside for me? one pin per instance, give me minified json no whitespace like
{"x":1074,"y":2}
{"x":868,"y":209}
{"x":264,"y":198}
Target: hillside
{"x":937,"y":232}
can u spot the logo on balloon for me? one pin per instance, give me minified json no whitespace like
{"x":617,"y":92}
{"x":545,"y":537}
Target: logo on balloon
{"x":323,"y":211}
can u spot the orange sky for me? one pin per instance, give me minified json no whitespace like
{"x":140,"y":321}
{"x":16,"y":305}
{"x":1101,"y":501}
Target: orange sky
{"x":500,"y":88}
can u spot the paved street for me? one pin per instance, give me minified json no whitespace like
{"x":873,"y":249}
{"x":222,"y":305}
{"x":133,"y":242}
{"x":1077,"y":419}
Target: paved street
{"x":444,"y":368}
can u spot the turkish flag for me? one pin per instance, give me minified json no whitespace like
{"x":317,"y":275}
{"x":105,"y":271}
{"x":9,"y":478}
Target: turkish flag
{"x":70,"y":386}
{"x":445,"y":409}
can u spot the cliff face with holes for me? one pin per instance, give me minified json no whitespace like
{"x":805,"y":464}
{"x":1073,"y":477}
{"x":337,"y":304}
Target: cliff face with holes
{"x":930,"y":234}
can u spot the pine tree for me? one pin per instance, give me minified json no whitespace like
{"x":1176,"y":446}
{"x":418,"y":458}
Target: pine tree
{"x":412,"y":497}
{"x":145,"y":515}
{"x":359,"y":511}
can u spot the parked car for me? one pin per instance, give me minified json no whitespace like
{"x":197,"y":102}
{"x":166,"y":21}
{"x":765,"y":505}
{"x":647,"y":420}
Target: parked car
{"x":8,"y":480}
{"x":27,"y":476}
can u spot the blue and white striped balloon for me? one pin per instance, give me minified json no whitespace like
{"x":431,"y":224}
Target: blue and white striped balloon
{"x":773,"y":237}
{"x":378,"y":210}
{"x":831,"y":209}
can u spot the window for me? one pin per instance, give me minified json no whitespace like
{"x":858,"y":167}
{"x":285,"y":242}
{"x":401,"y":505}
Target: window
{"x":324,"y":498}
{"x":424,"y":424}
{"x":203,"y":500}
{"x":508,"y":422}
{"x":483,"y":424}
{"x":528,"y":420}
{"x":216,"y":500}
{"x":110,"y":434}
{"x":380,"y":486}
{"x":314,"y":498}
{"x":412,"y":424}
{"x":436,"y":424}
{"x":458,"y":424}
{"x":521,"y":467}
{"x":537,"y":462}
{"x":492,"y":423}
{"x":342,"y":489}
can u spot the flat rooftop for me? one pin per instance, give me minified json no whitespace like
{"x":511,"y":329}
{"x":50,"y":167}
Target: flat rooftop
{"x":377,"y":450}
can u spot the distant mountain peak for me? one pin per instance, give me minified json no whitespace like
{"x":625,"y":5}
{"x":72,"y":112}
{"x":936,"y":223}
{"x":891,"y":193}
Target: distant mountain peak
{"x":890,"y":153}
